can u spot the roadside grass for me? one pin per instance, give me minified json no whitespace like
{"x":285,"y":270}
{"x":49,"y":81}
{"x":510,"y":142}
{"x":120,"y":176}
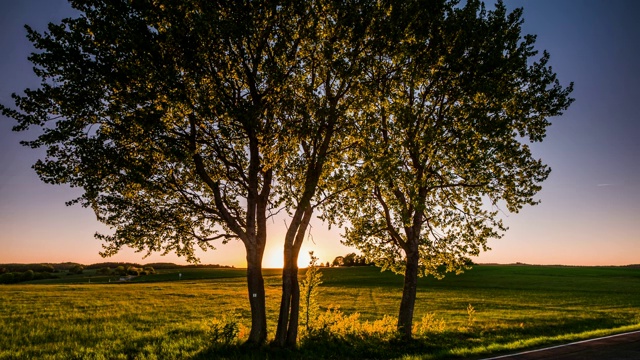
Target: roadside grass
{"x":485,"y":311}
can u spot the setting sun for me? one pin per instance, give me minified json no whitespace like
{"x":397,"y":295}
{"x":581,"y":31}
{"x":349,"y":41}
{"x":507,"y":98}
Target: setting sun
{"x":274,"y":259}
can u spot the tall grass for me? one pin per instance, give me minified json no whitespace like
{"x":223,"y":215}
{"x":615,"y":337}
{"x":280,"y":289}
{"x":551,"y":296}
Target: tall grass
{"x":486,"y":310}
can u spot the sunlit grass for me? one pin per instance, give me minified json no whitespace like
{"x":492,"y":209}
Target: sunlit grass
{"x":514,"y":308}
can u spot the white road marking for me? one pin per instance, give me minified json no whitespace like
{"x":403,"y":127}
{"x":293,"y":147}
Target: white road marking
{"x":561,"y":346}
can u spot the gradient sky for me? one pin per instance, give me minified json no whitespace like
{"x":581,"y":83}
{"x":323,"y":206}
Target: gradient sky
{"x":590,"y":210}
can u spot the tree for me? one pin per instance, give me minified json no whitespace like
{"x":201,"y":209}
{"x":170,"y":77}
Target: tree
{"x":169,"y":116}
{"x":30,"y":275}
{"x":350,"y":259}
{"x":338,"y":261}
{"x":104,"y":271}
{"x":120,"y":270}
{"x":328,"y":95}
{"x":76,"y":269}
{"x":458,"y":94}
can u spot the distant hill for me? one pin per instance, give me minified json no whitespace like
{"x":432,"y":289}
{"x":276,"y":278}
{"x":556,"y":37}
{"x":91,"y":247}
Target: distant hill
{"x":57,"y":267}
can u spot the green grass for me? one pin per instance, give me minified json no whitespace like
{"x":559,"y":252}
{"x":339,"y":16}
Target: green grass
{"x":159,"y":317}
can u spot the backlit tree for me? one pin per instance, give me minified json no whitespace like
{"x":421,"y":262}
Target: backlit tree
{"x":457,"y":92}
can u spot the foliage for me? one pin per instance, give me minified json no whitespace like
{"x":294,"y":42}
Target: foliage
{"x":456,"y":95}
{"x":334,"y":324}
{"x":351,"y":259}
{"x":429,"y":325}
{"x":309,"y":292}
{"x":471,"y":315}
{"x":7,"y":278}
{"x":28,"y":275}
{"x":192,"y":109}
{"x":224,"y":331}
{"x":121,"y":270}
{"x":338,"y":261}
{"x":76,"y":269}
{"x":4,"y":268}
{"x":16,"y":277}
{"x":206,"y":116}
{"x":104,"y":271}
{"x":453,"y":118}
{"x":135,"y":271}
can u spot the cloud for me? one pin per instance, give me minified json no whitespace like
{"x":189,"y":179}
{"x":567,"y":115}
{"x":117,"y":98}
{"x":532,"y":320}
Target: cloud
{"x":603,"y":185}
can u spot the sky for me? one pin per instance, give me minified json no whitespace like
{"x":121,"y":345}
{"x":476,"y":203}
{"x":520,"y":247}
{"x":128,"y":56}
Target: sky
{"x":590,"y":206}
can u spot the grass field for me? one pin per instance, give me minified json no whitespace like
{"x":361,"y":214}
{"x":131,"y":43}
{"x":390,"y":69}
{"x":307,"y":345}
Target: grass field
{"x":485,"y":311}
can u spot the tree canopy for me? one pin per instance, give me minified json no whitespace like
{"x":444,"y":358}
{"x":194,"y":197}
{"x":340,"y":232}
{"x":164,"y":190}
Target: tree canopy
{"x":186,"y":122}
{"x":459,"y":94}
{"x":168,"y":116}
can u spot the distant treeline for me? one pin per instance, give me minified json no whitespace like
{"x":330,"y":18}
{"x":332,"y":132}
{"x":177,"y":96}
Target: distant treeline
{"x":58,"y":267}
{"x":15,"y":273}
{"x":351,"y":259}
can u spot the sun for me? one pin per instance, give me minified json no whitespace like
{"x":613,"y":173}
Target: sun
{"x":274,"y":259}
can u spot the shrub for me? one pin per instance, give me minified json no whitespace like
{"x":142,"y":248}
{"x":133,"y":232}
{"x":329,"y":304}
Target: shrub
{"x":7,"y":278}
{"x":132,"y":270}
{"x":428,"y":325}
{"x":149,"y":270}
{"x":27,"y":275}
{"x":120,"y":270}
{"x":44,"y":275}
{"x":104,"y":271}
{"x":335,"y":324}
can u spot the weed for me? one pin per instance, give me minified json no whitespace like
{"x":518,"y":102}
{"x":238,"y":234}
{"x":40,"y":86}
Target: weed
{"x":428,"y":325}
{"x":224,"y":331}
{"x":309,"y":292}
{"x":471,"y":315}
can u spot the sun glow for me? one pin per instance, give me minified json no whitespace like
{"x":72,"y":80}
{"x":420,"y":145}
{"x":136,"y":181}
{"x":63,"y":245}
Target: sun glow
{"x":274,"y":259}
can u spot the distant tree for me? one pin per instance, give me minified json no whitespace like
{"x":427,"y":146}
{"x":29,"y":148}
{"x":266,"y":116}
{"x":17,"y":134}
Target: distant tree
{"x":7,"y":278}
{"x":120,"y":270}
{"x":28,"y":275}
{"x":46,"y":268}
{"x":349,"y":259}
{"x":135,"y":271}
{"x":76,"y":269}
{"x":338,"y":261}
{"x":104,"y":271}
{"x":457,"y":94}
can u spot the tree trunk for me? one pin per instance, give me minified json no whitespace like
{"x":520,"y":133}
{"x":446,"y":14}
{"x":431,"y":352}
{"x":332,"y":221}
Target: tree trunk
{"x":294,"y":316}
{"x":405,"y":316}
{"x":255,"y":284}
{"x":287,"y":331}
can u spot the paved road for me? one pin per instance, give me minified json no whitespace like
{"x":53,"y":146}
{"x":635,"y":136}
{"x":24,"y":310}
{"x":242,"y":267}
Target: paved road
{"x":616,"y":347}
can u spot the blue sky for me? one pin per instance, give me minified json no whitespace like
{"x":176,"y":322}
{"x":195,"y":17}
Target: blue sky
{"x":590,"y":209}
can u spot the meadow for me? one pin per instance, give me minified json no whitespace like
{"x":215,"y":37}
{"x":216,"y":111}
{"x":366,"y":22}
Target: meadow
{"x":488,"y":310}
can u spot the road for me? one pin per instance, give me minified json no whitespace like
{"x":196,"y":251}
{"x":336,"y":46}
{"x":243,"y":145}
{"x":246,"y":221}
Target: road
{"x":616,"y":347}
